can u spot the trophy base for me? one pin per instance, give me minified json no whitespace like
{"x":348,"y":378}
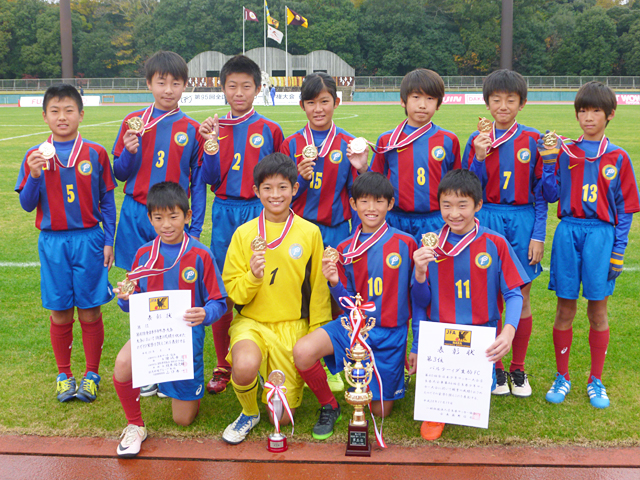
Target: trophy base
{"x":277,"y":443}
{"x":358,"y":441}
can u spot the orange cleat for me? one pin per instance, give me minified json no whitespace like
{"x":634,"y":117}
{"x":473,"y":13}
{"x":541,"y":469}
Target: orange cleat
{"x":431,"y":430}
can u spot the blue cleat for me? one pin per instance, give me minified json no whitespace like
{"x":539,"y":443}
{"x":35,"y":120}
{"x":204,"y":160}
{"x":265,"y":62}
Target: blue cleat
{"x":88,"y":389}
{"x":597,"y":393}
{"x":558,"y":390}
{"x":66,"y":387}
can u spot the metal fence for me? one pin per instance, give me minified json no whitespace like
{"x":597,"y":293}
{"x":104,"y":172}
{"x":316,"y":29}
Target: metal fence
{"x":457,"y":83}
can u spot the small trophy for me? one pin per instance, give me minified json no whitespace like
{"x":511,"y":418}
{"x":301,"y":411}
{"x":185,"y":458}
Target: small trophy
{"x":276,"y":442}
{"x":358,"y":376}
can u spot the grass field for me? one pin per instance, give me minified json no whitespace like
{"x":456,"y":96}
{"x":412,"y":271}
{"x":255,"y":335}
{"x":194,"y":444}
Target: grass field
{"x":28,"y":404}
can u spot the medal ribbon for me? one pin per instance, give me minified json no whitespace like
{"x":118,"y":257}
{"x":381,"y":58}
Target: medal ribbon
{"x":147,"y":270}
{"x":505,"y":137}
{"x":326,"y":145}
{"x":262,"y":230}
{"x":73,"y":157}
{"x":604,"y":144}
{"x":347,"y":257}
{"x":150,"y":123}
{"x":357,"y":320}
{"x":460,"y":246}
{"x":409,"y":139}
{"x":228,"y":120}
{"x":279,"y":391}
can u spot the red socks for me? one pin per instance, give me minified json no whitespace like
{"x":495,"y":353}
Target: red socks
{"x":221,"y":339}
{"x":562,"y":343}
{"x":316,"y":378}
{"x":61,"y":341}
{"x":598,"y":341}
{"x":521,"y":343}
{"x":92,"y":340}
{"x":130,"y":400}
{"x":499,"y":363}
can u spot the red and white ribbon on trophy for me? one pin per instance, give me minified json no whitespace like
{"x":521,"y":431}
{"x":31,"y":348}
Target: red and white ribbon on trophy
{"x":279,"y":391}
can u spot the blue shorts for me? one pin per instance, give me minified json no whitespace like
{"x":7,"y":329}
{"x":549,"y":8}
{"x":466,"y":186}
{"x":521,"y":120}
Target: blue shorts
{"x":581,"y":252}
{"x":134,"y":230}
{"x":415,"y":224}
{"x":515,"y":223}
{"x":72,"y":271}
{"x":333,"y":236}
{"x":188,"y":390}
{"x":226,"y":216}
{"x":389,"y":346}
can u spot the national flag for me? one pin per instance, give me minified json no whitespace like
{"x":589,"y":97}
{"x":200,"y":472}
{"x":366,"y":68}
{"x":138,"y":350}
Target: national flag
{"x":249,"y":15}
{"x":274,"y":34}
{"x":270,"y":19}
{"x":294,"y":19}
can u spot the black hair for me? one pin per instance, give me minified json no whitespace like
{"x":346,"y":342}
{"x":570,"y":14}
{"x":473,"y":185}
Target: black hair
{"x":422,"y":80}
{"x":315,"y":83}
{"x":506,"y":81}
{"x":167,"y":196}
{"x":164,"y":63}
{"x":372,"y":184}
{"x":60,"y":91}
{"x":596,"y":95}
{"x":463,"y":183}
{"x":275,"y":164}
{"x":241,"y":64}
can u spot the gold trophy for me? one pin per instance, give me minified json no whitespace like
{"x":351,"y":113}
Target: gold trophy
{"x":276,"y":441}
{"x":358,"y":376}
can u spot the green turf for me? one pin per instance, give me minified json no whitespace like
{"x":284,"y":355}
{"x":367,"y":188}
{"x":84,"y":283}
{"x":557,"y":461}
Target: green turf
{"x":28,"y":369}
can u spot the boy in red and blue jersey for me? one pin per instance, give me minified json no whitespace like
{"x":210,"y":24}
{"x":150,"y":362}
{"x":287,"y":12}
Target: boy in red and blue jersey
{"x":416,"y":155}
{"x":73,"y":193}
{"x":506,"y":161}
{"x":168,"y":148}
{"x":189,"y":266}
{"x":465,"y":278}
{"x":595,"y":186}
{"x":377,"y":264}
{"x":245,"y":137}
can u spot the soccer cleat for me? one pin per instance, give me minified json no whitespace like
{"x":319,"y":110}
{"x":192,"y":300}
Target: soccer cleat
{"x":132,"y":438}
{"x":218,"y":383}
{"x":502,"y":387}
{"x":431,"y":430}
{"x":149,"y":390}
{"x":88,"y":388}
{"x":520,"y":384}
{"x":558,"y":390}
{"x":597,"y":393}
{"x":238,"y":430}
{"x":336,"y":384}
{"x":328,"y":418}
{"x":66,"y":387}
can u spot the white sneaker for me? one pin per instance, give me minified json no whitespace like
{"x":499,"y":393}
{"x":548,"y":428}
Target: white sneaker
{"x":133,"y":437}
{"x":502,"y":387}
{"x":520,"y":384}
{"x":238,"y":430}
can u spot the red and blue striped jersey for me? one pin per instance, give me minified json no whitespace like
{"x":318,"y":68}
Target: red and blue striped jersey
{"x":69,"y":198}
{"x":382,"y":275}
{"x":468,"y":288}
{"x":171,"y":151}
{"x":510,"y":172}
{"x":325,"y":198}
{"x":416,"y":170}
{"x":599,"y":189}
{"x":241,"y":148}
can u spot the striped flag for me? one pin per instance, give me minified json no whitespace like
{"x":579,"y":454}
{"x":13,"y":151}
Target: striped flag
{"x":270,"y":19}
{"x":294,"y":19}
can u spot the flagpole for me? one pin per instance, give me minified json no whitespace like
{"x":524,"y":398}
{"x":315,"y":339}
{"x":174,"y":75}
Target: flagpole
{"x":286,"y":46}
{"x":243,"y":19}
{"x":265,"y":35}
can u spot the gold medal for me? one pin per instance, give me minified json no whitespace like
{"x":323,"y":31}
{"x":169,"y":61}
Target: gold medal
{"x":211,"y":147}
{"x":276,"y":378}
{"x":484,"y":125}
{"x":358,"y":145}
{"x":135,"y":124}
{"x":258,"y":244}
{"x":332,"y":254}
{"x":550,"y":140}
{"x":47,"y":150}
{"x":430,"y":239}
{"x":310,"y":152}
{"x":128,"y":287}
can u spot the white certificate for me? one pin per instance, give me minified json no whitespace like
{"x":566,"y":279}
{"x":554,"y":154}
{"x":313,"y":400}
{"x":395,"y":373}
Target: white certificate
{"x":161,"y":346}
{"x":453,"y":382}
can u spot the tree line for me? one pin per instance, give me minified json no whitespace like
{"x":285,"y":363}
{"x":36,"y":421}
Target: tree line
{"x":112,"y":38}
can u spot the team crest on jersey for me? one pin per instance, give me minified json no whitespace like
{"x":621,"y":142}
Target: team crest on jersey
{"x":394,"y":260}
{"x":438,"y":153}
{"x":295,"y":251}
{"x":189,"y":274}
{"x":256,"y":140}
{"x":483,"y":260}
{"x":457,"y":338}
{"x":524,"y":155}
{"x":181,"y":138}
{"x":609,"y":172}
{"x":85,"y":168}
{"x":158,"y":303}
{"x":335,"y":156}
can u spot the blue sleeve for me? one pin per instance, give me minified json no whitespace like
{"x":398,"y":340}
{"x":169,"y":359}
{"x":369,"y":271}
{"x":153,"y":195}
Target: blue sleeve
{"x":214,"y":310}
{"x":124,"y":165}
{"x":339,"y":291}
{"x":30,"y":194}
{"x":108,"y":210}
{"x":467,"y":150}
{"x":420,"y":300}
{"x":622,"y":232}
{"x":303,"y":185}
{"x":541,"y":211}
{"x":198,"y":202}
{"x":210,"y":169}
{"x":550,"y":187}
{"x":513,"y":301}
{"x":124,"y":305}
{"x":480,"y":169}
